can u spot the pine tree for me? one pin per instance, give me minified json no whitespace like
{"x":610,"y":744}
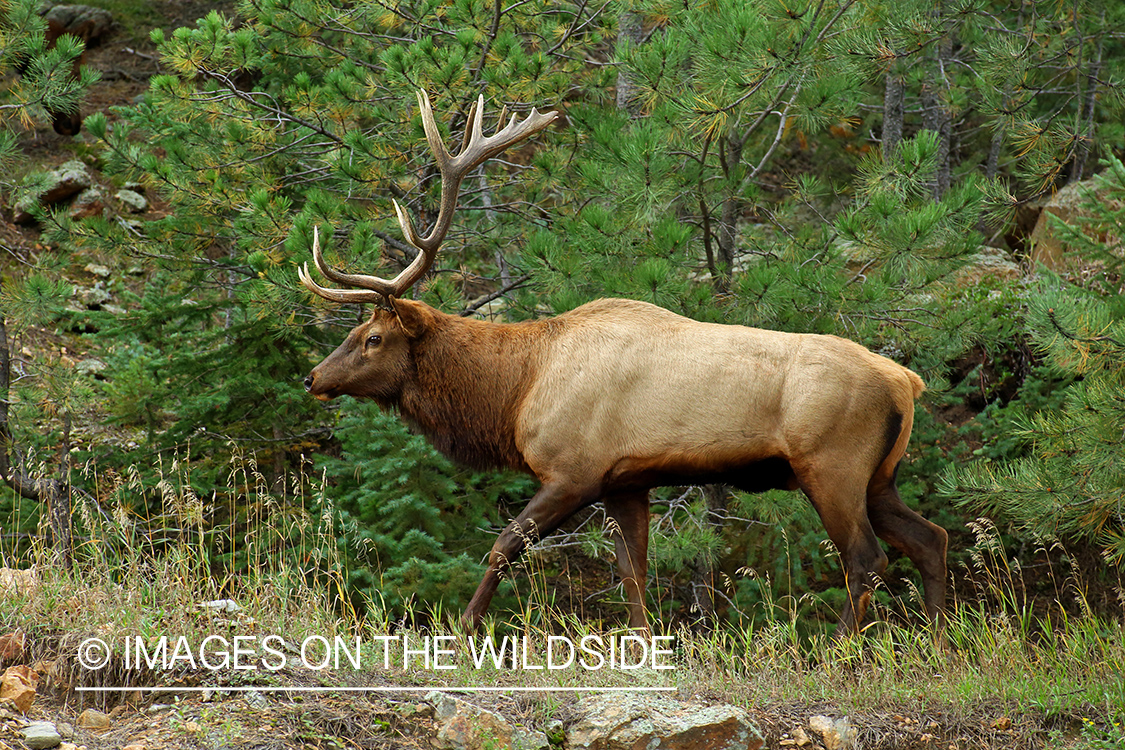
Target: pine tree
{"x":1071,"y":485}
{"x":39,"y":418}
{"x":732,"y":177}
{"x":304,"y":114}
{"x":46,"y":74}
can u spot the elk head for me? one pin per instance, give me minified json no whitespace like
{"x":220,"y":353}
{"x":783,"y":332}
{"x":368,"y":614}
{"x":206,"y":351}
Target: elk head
{"x":375,"y":358}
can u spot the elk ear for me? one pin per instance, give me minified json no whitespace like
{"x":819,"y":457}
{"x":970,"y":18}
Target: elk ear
{"x":414,"y":317}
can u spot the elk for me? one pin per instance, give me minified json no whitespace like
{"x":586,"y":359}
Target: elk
{"x":616,"y":397}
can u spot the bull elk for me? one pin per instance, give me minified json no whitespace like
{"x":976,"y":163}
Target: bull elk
{"x":616,"y":397}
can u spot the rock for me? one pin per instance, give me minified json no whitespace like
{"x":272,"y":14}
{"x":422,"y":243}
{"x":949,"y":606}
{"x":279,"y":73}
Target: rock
{"x":255,"y":699}
{"x":1067,"y":204}
{"x":228,"y":606}
{"x":66,"y":731}
{"x":61,"y":184}
{"x":134,"y":746}
{"x":91,"y":719}
{"x":615,"y":722}
{"x":94,"y":297}
{"x":132,"y":200}
{"x":556,"y":732}
{"x":798,"y":738}
{"x":91,"y":366}
{"x":13,"y":581}
{"x":90,"y":202}
{"x":40,"y":735}
{"x":463,"y":726}
{"x":96,"y":269}
{"x":415,"y":711}
{"x":18,"y":685}
{"x":987,"y":263}
{"x":12,"y":646}
{"x":70,"y":179}
{"x":86,"y":23}
{"x":836,"y":734}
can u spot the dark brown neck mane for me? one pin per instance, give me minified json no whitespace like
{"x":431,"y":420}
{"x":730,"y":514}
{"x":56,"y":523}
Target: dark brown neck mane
{"x":470,"y":378}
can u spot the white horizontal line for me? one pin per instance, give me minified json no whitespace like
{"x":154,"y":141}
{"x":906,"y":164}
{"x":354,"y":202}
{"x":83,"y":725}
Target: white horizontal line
{"x":374,"y":689}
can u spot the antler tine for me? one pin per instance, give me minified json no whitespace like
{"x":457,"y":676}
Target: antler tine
{"x":476,"y":113}
{"x":433,"y":135}
{"x":371,"y":288}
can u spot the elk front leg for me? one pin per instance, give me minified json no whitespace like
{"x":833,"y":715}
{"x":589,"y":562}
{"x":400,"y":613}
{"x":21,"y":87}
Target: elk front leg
{"x":629,"y":513}
{"x":551,"y":505}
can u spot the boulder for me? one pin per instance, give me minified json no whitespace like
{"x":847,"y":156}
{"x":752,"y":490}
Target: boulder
{"x":132,"y":200}
{"x":15,"y":581}
{"x":86,"y":23}
{"x":836,"y":734}
{"x":625,"y":722}
{"x":91,"y":719}
{"x":463,"y":726}
{"x":90,"y":202}
{"x":1068,"y":205}
{"x":40,"y":735}
{"x":12,"y":645}
{"x":61,"y":184}
{"x":987,"y":263}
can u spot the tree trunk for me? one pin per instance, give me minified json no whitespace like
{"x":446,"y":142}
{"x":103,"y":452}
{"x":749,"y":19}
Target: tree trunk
{"x":1086,"y":118}
{"x":935,"y":112}
{"x":894,"y":100}
{"x":703,"y":580}
{"x":630,"y":31}
{"x":730,"y":153}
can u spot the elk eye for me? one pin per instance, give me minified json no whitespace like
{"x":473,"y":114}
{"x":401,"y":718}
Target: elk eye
{"x":374,"y":340}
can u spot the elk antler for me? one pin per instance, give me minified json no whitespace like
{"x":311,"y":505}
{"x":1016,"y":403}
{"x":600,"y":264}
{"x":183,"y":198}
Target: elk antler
{"x":475,"y":150}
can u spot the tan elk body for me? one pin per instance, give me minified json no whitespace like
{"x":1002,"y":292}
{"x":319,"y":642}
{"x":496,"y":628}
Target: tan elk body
{"x":616,"y":397}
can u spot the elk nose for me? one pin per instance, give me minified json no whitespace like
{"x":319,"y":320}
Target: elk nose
{"x":308,"y":382}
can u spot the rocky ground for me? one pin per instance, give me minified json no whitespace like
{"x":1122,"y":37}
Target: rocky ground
{"x":448,"y":720}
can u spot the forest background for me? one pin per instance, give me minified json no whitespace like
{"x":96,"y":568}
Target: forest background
{"x":855,"y":168}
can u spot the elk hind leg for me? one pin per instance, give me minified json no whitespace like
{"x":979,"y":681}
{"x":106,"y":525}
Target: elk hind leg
{"x":629,"y":516}
{"x":841,"y":506}
{"x":922,"y":541}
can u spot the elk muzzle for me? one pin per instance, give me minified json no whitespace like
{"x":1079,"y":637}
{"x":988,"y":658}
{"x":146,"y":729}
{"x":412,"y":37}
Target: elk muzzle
{"x":310,"y":384}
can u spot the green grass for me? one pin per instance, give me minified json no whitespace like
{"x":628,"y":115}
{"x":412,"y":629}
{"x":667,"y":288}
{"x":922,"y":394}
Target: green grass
{"x":1055,"y":674}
